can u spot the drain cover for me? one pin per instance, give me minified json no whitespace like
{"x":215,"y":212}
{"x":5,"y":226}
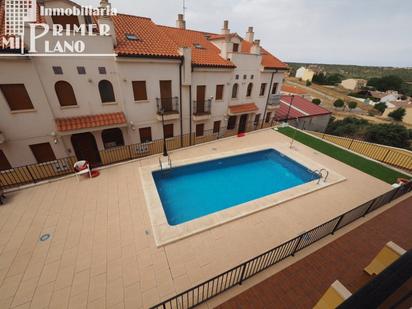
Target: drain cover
{"x":44,"y":237}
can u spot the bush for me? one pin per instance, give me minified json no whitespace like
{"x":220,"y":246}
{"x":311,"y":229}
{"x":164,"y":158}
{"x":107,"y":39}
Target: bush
{"x":316,"y":101}
{"x":398,"y":114}
{"x":339,"y":103}
{"x":349,"y":126}
{"x":308,"y":83}
{"x":380,"y":107}
{"x":352,"y":105}
{"x":388,"y":134}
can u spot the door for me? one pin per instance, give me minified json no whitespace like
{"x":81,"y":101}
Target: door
{"x":216,"y":127}
{"x":231,"y":123}
{"x":166,"y":95}
{"x":242,"y":123}
{"x":145,"y":135}
{"x":200,"y":99}
{"x":43,"y":152}
{"x":4,"y":163}
{"x":200,"y":128}
{"x":168,"y":130}
{"x":85,"y":148}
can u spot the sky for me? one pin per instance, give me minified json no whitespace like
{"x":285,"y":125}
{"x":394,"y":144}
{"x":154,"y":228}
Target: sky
{"x":362,"y":32}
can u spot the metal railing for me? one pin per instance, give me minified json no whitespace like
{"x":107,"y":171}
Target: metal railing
{"x":238,"y":274}
{"x":202,"y":107}
{"x":167,"y":105}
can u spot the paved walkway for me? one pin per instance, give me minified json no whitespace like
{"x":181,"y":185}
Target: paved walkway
{"x":303,"y":283}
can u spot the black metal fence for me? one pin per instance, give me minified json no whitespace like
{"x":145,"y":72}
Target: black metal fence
{"x":235,"y":276}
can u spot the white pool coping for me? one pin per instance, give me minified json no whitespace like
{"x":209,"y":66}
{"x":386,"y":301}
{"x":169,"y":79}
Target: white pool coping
{"x":164,"y":233}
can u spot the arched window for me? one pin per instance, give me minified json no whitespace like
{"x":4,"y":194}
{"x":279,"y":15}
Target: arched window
{"x":234,"y":91}
{"x":65,"y":93}
{"x":112,"y":138}
{"x":249,"y":89}
{"x":106,"y":91}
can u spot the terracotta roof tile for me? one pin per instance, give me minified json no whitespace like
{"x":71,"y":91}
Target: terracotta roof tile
{"x":206,"y":55}
{"x":300,"y":108}
{"x":152,"y":41}
{"x":292,"y":89}
{"x":92,"y":121}
{"x":243,"y":108}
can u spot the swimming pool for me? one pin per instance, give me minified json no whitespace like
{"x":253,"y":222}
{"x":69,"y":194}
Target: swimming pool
{"x":196,"y":190}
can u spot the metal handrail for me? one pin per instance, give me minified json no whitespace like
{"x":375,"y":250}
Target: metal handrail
{"x":207,"y":107}
{"x":167,"y":105}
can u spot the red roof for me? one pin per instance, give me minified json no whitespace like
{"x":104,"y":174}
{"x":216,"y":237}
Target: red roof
{"x":243,"y":108}
{"x":92,"y":121}
{"x":151,"y":40}
{"x":207,"y":54}
{"x":300,"y":108}
{"x":292,"y":89}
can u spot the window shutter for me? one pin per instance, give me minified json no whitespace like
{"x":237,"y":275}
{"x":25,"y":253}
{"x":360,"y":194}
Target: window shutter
{"x":16,"y":96}
{"x":219,"y":92}
{"x":139,"y":90}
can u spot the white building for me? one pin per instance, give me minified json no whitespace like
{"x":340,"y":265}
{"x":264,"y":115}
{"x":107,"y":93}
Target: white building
{"x":354,"y":84}
{"x":305,"y":74}
{"x":55,"y":107}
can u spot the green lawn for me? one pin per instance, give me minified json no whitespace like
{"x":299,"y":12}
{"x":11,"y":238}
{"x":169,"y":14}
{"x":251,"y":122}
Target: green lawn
{"x":367,"y":166}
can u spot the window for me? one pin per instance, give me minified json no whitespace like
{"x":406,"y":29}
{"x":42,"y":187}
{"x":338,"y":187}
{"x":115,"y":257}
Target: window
{"x":81,"y":70}
{"x":58,"y":70}
{"x":139,"y":90}
{"x":112,"y":138}
{"x":234,"y":91}
{"x":67,"y":21}
{"x":200,"y":129}
{"x":16,"y":97}
{"x":252,"y":76}
{"x":168,"y":130}
{"x":275,"y":88}
{"x":231,"y":123}
{"x":244,"y":76}
{"x":237,"y":76}
{"x":257,"y":119}
{"x":65,"y":94}
{"x":235,"y":47}
{"x":145,"y":135}
{"x":262,"y":89}
{"x":106,"y":91}
{"x":268,"y":117}
{"x":249,"y":89}
{"x":216,"y":126}
{"x":102,"y":70}
{"x":219,"y":92}
{"x":43,"y":152}
{"x":132,"y":37}
{"x":4,"y":163}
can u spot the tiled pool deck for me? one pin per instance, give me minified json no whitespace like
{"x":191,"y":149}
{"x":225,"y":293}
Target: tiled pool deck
{"x":102,"y":254}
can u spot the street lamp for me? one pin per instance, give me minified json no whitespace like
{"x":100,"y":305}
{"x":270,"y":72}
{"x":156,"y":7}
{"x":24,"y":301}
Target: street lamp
{"x":290,"y":106}
{"x":162,"y":112}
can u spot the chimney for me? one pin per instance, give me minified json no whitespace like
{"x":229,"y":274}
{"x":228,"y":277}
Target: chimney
{"x":106,"y":20}
{"x":255,"y":47}
{"x":227,"y":47}
{"x":250,"y":34}
{"x":225,"y":29}
{"x":180,"y":22}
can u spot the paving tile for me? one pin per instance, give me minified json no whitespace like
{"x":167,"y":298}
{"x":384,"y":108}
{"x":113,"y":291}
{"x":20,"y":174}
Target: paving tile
{"x":42,"y":296}
{"x":60,"y":299}
{"x":25,"y":292}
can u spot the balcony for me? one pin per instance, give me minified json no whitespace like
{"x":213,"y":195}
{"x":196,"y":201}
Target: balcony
{"x":169,"y":107}
{"x":202,"y":110}
{"x":274,"y":101}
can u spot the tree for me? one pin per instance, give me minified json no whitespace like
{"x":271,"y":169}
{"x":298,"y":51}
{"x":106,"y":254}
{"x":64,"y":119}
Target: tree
{"x":308,"y":83}
{"x":398,"y":114}
{"x":349,"y":126}
{"x":388,"y":82}
{"x":380,"y":107}
{"x":339,"y":103}
{"x":316,"y":101}
{"x":388,"y":134}
{"x":352,"y":105}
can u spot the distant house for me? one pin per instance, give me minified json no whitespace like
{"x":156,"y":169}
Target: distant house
{"x":354,"y":84}
{"x":291,"y":90}
{"x":304,"y":74}
{"x":407,"y":105}
{"x":302,"y":113}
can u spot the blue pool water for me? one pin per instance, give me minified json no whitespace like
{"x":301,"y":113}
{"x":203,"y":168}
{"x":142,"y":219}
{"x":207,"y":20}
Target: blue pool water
{"x":196,"y":190}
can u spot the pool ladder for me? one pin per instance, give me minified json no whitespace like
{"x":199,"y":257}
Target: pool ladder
{"x":165,"y":165}
{"x":320,"y":173}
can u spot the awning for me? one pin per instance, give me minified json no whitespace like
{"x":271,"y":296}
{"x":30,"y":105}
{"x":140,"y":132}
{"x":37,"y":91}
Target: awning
{"x":243,"y":109}
{"x":90,"y":122}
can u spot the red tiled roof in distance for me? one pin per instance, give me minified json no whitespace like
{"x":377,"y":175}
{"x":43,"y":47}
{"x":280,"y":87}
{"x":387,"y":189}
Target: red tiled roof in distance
{"x":207,"y":55}
{"x":300,"y":108}
{"x":243,"y":108}
{"x":151,"y":42}
{"x":292,"y":89}
{"x":92,"y":121}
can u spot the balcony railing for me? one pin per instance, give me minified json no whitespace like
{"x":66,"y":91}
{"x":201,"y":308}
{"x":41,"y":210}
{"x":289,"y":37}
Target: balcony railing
{"x":274,"y":100}
{"x":202,"y":107}
{"x":167,"y":105}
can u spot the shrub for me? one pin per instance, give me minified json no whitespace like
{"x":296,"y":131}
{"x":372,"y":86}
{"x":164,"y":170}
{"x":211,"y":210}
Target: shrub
{"x":398,"y":114}
{"x":352,"y":105}
{"x":339,"y":103}
{"x":380,"y":107}
{"x":308,"y":83}
{"x":316,"y":101}
{"x":388,"y":134}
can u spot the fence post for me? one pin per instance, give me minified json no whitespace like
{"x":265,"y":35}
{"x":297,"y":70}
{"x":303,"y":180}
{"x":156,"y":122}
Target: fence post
{"x":337,"y":224}
{"x":350,"y":145}
{"x":386,"y":155}
{"x":31,"y":175}
{"x":242,"y":274}
{"x":297,"y":244}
